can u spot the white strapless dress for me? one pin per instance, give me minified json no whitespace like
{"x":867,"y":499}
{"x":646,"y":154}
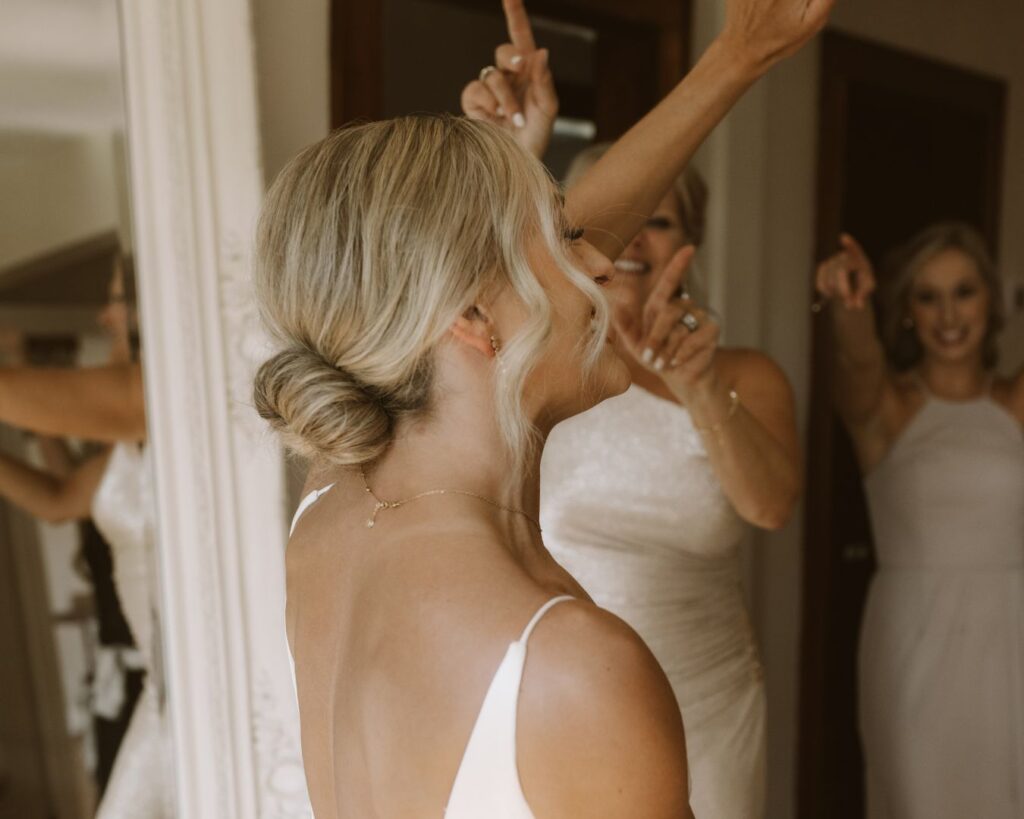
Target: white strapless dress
{"x":123,"y":509}
{"x":632,"y":509}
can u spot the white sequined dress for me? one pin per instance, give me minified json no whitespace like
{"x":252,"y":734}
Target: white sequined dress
{"x":123,"y":510}
{"x":632,"y":509}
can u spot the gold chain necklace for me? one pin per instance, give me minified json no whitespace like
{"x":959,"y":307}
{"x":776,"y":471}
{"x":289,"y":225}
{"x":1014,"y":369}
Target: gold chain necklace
{"x":382,"y":504}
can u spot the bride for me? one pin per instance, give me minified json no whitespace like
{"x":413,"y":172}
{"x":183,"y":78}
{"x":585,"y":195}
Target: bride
{"x":439,"y":310}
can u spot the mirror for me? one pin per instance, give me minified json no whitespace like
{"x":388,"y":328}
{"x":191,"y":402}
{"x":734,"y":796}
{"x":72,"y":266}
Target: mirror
{"x":81,"y":726}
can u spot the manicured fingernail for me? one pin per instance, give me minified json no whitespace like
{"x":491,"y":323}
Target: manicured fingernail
{"x":518,"y":120}
{"x":659,"y":364}
{"x":647,"y":355}
{"x":499,"y":111}
{"x":516,"y":60}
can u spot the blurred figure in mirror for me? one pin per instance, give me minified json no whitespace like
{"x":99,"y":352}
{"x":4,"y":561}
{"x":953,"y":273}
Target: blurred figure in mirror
{"x":112,"y":486}
{"x":439,"y":309}
{"x":940,"y":443}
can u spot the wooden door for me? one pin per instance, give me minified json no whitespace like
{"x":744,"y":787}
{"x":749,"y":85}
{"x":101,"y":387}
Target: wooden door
{"x":612,"y":59}
{"x":903,"y":142}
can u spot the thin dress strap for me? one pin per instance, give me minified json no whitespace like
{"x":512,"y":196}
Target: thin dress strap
{"x":308,"y":501}
{"x":543,"y":610}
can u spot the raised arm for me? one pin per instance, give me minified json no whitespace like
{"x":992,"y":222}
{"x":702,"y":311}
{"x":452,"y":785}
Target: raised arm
{"x":614,"y":198}
{"x":847,"y":280}
{"x":96,"y":403}
{"x":51,"y":498}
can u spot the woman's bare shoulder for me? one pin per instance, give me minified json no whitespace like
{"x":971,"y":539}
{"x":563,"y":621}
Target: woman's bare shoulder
{"x":600,"y":733}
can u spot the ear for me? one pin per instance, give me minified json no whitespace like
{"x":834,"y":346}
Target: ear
{"x":474,"y":328}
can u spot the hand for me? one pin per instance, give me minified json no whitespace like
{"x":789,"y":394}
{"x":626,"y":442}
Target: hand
{"x":519,"y":95}
{"x":847,"y":275}
{"x":674,"y":339}
{"x":762,"y":32}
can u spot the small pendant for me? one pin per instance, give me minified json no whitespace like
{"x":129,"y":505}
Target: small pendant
{"x":370,"y":523}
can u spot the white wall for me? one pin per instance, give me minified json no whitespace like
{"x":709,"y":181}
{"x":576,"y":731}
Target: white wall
{"x":762,"y":172}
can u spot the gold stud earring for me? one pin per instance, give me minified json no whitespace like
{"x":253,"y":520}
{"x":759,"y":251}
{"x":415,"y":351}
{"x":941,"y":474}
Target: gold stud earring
{"x":495,"y":345}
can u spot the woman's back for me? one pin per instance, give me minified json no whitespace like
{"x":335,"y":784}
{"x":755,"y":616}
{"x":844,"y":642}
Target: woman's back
{"x":395,"y":653}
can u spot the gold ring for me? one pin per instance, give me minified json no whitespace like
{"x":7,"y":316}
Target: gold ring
{"x":487,"y":69}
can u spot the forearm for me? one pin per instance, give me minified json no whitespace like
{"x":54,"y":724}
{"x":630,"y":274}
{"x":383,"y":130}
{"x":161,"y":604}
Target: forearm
{"x":759,"y":476}
{"x":617,"y":195}
{"x":860,"y":360}
{"x":100,"y":404}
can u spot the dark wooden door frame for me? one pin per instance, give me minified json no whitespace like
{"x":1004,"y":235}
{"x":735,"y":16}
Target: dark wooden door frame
{"x":844,"y":60}
{"x":357,"y":45}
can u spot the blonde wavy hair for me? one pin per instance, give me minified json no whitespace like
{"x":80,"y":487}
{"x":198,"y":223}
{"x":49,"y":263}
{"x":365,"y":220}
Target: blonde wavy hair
{"x":370,"y":245}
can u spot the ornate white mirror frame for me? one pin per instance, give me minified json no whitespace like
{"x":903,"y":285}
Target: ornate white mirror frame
{"x":197,"y":184}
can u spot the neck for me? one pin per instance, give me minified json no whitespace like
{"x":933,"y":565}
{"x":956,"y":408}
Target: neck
{"x":958,"y":379}
{"x":458,"y":446}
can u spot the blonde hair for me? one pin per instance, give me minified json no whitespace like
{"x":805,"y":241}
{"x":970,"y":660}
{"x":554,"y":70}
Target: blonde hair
{"x":371,"y":244}
{"x":898,"y":271}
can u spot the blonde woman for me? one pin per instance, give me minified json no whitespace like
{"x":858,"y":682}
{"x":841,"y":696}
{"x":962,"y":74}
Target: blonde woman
{"x":940,"y":442}
{"x":438,"y":312}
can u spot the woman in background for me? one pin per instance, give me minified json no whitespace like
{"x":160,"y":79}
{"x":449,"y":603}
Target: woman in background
{"x":940,"y":443}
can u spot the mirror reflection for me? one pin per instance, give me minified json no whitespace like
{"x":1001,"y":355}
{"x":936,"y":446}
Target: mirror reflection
{"x":82,"y":730}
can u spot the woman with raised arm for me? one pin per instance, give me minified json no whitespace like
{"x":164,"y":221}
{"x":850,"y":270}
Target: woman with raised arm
{"x":645,"y":498}
{"x":438,"y":314}
{"x":940,"y":442}
{"x":113,"y":487}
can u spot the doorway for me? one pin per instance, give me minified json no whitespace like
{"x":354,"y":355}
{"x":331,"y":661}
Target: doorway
{"x":903,"y":142}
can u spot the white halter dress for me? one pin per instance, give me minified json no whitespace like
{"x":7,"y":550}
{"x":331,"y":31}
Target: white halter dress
{"x":942,"y":642}
{"x":123,"y":509}
{"x":632,"y":509}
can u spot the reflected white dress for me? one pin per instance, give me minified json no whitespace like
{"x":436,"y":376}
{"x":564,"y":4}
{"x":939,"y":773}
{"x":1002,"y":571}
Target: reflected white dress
{"x":632,"y":509}
{"x":942,"y":643}
{"x":123,"y":509}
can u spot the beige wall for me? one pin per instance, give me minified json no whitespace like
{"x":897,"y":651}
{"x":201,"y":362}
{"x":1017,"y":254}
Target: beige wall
{"x":761,"y":165}
{"x":292,"y":77}
{"x":58,"y":190}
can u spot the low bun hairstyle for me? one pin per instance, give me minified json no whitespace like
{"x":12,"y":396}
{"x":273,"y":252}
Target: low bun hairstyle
{"x":321,"y":410}
{"x":370,"y":245}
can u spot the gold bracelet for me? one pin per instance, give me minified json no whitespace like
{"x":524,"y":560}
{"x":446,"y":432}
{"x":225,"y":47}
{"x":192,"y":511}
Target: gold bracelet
{"x":734,"y":404}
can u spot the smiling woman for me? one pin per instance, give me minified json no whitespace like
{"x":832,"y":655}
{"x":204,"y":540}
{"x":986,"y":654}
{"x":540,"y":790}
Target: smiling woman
{"x":941,"y":444}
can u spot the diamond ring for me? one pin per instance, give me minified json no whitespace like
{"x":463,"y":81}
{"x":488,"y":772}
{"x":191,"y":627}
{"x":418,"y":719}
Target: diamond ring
{"x":690,"y":322}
